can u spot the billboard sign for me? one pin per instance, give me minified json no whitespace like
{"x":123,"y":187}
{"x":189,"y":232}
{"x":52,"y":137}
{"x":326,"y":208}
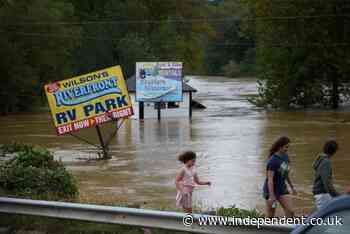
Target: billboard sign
{"x":88,"y":100}
{"x":159,"y":82}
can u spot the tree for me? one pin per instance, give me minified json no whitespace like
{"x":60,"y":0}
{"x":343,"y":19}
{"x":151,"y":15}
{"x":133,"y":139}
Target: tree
{"x":229,"y":45}
{"x":165,"y":28}
{"x":34,"y":48}
{"x":302,"y":52}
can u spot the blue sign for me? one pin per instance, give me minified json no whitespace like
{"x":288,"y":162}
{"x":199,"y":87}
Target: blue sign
{"x":159,"y":82}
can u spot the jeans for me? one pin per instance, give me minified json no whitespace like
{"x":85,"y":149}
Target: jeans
{"x":322,"y":200}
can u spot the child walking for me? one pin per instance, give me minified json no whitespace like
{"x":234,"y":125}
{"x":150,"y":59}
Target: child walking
{"x":277,"y":174}
{"x":323,"y":188}
{"x":186,"y":180}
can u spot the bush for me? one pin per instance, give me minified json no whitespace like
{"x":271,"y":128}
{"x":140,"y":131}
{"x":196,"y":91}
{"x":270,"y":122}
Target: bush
{"x":247,"y":69}
{"x":248,"y":64}
{"x":231,"y":69}
{"x":239,"y":213}
{"x":33,"y":173}
{"x":14,"y":147}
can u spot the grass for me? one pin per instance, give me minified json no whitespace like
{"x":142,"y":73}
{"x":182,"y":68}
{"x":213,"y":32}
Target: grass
{"x":31,"y":224}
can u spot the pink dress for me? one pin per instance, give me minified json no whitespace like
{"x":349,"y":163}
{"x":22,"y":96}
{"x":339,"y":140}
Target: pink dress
{"x":184,"y":198}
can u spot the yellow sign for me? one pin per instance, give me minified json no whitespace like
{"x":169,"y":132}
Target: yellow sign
{"x":88,"y":100}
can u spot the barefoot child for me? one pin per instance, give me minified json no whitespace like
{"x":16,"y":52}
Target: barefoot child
{"x":186,"y":180}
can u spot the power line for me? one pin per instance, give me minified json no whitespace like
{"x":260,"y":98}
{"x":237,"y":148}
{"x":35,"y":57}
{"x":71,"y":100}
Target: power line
{"x":194,"y":20}
{"x":48,"y":35}
{"x":123,"y":21}
{"x":104,"y":39}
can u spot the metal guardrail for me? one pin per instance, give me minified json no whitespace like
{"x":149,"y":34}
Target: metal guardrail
{"x":125,"y":216}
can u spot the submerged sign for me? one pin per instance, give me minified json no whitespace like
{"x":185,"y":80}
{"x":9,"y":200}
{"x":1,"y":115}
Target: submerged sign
{"x":159,"y":82}
{"x":88,"y":100}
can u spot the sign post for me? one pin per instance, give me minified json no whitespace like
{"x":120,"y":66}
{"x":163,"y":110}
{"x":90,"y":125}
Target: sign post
{"x":141,"y":111}
{"x":88,"y":101}
{"x":103,"y":145}
{"x":159,"y":110}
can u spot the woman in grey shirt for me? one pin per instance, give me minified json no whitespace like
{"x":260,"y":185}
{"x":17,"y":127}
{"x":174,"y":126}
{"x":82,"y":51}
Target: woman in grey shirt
{"x":323,"y":188}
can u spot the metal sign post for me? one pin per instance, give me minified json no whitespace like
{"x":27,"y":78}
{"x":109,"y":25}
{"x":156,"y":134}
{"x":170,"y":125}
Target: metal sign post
{"x":103,"y":146}
{"x":159,"y":110}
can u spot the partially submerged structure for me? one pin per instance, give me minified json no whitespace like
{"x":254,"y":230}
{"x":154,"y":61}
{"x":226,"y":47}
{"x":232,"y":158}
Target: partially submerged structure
{"x":149,"y":110}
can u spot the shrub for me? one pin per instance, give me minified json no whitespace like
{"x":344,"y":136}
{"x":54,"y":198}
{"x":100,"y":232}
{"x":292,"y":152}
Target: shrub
{"x":239,"y":213}
{"x":33,"y":173}
{"x":231,"y":69}
{"x":14,"y":147}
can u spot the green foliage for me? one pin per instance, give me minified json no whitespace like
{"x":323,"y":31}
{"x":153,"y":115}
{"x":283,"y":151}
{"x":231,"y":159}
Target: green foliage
{"x":35,"y":157}
{"x":239,"y":213}
{"x":34,"y":50}
{"x":245,"y":67}
{"x":132,"y":48}
{"x":48,"y":40}
{"x":33,"y":173}
{"x":15,"y":147}
{"x":24,"y":224}
{"x":231,"y":69}
{"x":155,"y":33}
{"x":229,"y":45}
{"x":302,"y":51}
{"x":248,"y":64}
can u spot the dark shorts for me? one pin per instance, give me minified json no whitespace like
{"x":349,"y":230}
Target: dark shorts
{"x":278,"y":195}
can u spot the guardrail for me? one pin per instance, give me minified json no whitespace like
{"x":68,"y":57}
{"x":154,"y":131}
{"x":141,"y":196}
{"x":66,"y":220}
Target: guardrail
{"x":125,"y":216}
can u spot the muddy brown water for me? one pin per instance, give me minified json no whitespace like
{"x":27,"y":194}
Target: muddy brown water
{"x":231,"y":138}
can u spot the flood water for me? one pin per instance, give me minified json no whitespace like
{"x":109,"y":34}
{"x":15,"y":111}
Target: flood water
{"x":231,"y":138}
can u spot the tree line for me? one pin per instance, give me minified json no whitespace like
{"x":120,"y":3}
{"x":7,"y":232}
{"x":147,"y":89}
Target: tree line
{"x":297,"y":49}
{"x":47,"y":40}
{"x":302,"y":52}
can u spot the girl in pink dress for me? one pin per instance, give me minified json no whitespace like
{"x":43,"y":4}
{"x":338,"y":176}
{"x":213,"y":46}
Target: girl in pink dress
{"x":186,"y":180}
